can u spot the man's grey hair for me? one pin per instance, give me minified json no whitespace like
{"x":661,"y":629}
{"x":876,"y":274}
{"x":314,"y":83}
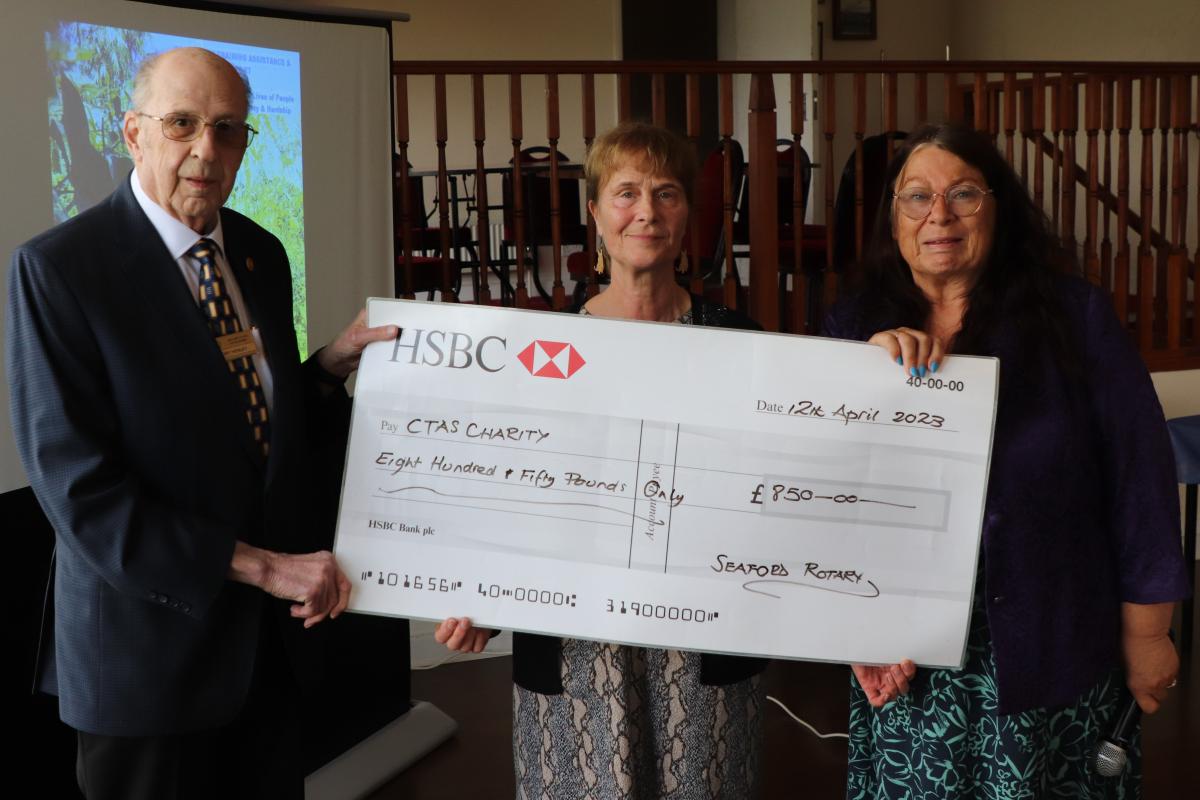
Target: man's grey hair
{"x":145,"y":76}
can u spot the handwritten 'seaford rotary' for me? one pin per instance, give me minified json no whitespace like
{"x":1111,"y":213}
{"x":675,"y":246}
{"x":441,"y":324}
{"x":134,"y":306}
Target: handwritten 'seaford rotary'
{"x":551,"y":359}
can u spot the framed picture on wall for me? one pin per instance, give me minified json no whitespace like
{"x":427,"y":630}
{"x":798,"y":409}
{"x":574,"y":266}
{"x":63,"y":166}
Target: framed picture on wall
{"x":853,"y":19}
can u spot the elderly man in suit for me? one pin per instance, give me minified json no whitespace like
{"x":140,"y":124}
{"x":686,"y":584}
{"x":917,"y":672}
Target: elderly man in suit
{"x":164,"y":418}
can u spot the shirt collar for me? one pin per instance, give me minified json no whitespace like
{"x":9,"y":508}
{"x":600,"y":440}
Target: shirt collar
{"x":178,"y":237}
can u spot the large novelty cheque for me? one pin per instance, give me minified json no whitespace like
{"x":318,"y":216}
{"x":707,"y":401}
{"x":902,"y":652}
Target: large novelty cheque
{"x":665,"y":485}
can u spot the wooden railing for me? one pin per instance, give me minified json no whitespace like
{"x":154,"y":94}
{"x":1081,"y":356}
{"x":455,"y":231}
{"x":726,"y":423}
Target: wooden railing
{"x":1138,"y":246}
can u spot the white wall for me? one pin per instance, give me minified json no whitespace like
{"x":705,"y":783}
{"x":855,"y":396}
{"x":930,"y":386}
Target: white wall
{"x":767,"y":30}
{"x":1179,"y":392}
{"x":487,"y":30}
{"x":1076,"y":30}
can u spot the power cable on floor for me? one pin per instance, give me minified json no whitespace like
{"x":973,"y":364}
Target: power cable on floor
{"x":454,"y":657}
{"x":813,"y":730}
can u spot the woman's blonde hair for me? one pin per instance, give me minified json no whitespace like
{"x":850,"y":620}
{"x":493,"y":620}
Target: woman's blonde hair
{"x":658,"y":150}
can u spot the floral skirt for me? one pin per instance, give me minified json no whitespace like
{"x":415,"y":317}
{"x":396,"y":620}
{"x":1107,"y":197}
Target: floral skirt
{"x":636,"y":724}
{"x":945,"y":739}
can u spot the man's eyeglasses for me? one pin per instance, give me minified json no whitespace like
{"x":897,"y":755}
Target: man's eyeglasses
{"x":189,"y":127}
{"x":963,"y":201}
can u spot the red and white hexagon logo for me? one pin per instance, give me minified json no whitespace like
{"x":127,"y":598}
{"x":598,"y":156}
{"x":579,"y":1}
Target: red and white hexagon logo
{"x":551,"y":359}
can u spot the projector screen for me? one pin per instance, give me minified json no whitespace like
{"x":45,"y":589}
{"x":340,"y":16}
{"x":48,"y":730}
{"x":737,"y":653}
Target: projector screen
{"x":318,"y":174}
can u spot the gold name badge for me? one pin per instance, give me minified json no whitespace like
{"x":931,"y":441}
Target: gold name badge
{"x":237,"y":345}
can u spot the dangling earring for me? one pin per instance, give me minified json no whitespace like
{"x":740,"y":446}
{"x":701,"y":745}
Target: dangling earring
{"x":683,"y":263}
{"x":601,"y":257}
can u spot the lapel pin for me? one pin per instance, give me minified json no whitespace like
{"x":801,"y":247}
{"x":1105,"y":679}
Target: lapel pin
{"x":249,"y":264}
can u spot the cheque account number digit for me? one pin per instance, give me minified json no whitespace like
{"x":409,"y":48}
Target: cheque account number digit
{"x":660,"y":611}
{"x":426,"y":583}
{"x":528,"y":594}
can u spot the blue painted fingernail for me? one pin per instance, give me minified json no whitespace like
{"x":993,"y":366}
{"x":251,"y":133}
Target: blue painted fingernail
{"x":933,"y":366}
{"x":900,"y":360}
{"x":912,"y":371}
{"x":921,"y":370}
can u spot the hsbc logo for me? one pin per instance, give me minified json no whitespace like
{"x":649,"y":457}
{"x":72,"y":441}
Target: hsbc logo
{"x":458,"y":350}
{"x":453,"y":349}
{"x":551,"y":359}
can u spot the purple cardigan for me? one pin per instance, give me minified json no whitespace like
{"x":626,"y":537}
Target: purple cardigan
{"x":1082,"y":508}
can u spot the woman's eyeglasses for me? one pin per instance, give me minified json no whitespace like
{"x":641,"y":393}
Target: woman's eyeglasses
{"x":963,"y":201}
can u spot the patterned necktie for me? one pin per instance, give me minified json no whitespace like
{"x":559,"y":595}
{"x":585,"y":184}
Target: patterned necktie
{"x":223,"y":323}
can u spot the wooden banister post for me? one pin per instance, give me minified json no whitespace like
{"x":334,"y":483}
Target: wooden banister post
{"x":1145,"y":281}
{"x":921,"y":99}
{"x":589,"y":135}
{"x":1038,"y":127}
{"x":403,"y":286}
{"x":516,"y":131}
{"x":1196,"y":257}
{"x":979,"y":92}
{"x":558,"y":295}
{"x":860,"y":129}
{"x":891,"y":124}
{"x":443,"y":184}
{"x":1091,"y":256}
{"x":1164,"y":183}
{"x":482,"y":270}
{"x":829,"y":126}
{"x":952,"y":99}
{"x":1177,"y":259}
{"x":764,"y":203}
{"x":1106,"y":207}
{"x":1056,"y":168}
{"x":1010,"y":115}
{"x":1025,"y":106}
{"x":658,"y":99}
{"x":692,"y":92}
{"x":798,"y":322}
{"x":729,"y":184}
{"x":1124,"y":121}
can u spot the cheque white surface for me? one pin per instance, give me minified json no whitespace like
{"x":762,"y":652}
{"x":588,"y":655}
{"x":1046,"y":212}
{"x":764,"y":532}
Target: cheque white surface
{"x":665,"y":485}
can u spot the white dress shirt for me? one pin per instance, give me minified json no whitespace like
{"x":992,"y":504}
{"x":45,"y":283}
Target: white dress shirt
{"x":179,"y":238}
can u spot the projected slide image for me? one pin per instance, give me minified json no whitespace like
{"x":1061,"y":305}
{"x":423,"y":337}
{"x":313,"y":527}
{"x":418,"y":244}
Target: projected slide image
{"x":92,"y":69}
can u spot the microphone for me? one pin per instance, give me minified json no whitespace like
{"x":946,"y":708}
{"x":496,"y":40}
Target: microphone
{"x":1112,"y":750}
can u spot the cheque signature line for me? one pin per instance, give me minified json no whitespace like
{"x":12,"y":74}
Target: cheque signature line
{"x":841,"y":421}
{"x":391,"y":471}
{"x":755,"y":512}
{"x":475,"y":497}
{"x":835,"y":590}
{"x":509,"y":511}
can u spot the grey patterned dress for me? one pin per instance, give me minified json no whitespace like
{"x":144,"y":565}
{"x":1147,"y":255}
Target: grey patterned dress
{"x":637,"y":724}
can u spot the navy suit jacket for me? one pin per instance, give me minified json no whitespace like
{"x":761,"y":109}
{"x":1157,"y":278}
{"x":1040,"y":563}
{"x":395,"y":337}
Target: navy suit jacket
{"x":1082,"y":509}
{"x":133,"y":435}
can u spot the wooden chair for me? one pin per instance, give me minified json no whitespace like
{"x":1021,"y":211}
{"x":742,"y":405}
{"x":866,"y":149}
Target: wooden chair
{"x":426,"y":239}
{"x":536,"y":207}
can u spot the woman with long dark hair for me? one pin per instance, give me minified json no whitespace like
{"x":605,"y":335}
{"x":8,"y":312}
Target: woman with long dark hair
{"x":1080,"y":564}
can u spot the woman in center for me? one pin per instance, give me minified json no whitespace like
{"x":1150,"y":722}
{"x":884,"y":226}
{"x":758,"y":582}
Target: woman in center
{"x":602,"y":720}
